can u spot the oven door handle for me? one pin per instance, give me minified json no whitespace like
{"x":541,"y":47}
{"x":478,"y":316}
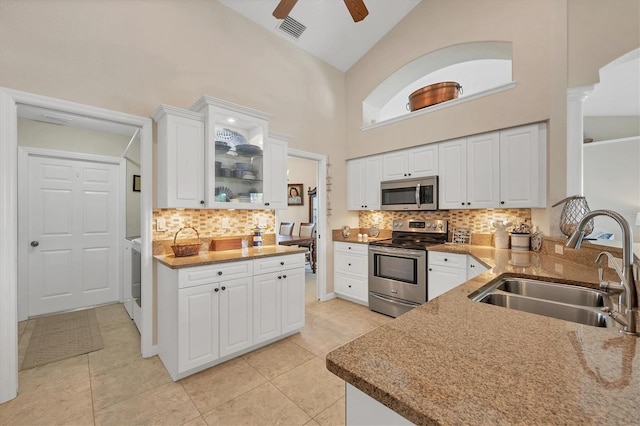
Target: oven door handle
{"x":418,"y":195}
{"x":388,"y":299}
{"x":400,"y":252}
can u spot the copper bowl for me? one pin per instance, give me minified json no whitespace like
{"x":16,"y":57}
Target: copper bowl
{"x":433,"y":94}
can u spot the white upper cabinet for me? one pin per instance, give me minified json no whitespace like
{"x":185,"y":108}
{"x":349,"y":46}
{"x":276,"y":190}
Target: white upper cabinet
{"x":275,"y":173}
{"x":415,"y":162}
{"x":505,"y":169}
{"x":523,"y":166}
{"x":180,"y":178}
{"x":363,"y":183}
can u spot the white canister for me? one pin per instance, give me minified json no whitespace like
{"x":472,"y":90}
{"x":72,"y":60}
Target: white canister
{"x":520,"y":241}
{"x":502,"y":239}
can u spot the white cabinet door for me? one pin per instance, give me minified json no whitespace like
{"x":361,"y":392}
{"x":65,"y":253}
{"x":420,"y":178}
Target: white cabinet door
{"x":423,"y":161}
{"x":293,"y":294}
{"x":275,"y":174}
{"x":452,"y":159}
{"x":523,"y":169}
{"x":127,"y":297}
{"x":180,"y":177}
{"x":197,"y":326}
{"x":483,"y":171}
{"x":394,"y":165}
{"x":267,"y":306}
{"x":236,"y":309}
{"x":442,"y":279}
{"x":355,"y":184}
{"x":363,"y":183}
{"x":474,"y":268}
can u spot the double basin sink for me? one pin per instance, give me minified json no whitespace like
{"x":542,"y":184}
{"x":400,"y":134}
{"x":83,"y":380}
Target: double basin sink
{"x":562,"y":301}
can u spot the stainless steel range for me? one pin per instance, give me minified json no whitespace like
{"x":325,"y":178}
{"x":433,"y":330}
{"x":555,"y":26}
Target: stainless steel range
{"x":398,"y":266}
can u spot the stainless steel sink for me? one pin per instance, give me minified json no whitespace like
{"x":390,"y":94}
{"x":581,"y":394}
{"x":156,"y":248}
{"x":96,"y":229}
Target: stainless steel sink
{"x":562,"y":293}
{"x":562,"y":301}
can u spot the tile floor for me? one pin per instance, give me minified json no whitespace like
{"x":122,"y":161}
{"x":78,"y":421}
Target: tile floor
{"x":284,"y":383}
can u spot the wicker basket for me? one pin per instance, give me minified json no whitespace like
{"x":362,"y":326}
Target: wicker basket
{"x":181,"y":250}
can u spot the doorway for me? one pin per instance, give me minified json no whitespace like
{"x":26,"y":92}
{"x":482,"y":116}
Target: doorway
{"x":71,"y":212}
{"x":309,"y":169}
{"x":10,"y":100}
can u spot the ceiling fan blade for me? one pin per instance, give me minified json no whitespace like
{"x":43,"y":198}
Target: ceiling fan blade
{"x":283,"y":8}
{"x":357,"y":9}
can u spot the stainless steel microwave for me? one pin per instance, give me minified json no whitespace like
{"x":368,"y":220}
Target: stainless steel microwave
{"x":410,"y":194}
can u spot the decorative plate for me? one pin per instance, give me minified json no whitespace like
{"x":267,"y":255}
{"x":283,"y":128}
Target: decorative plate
{"x":223,"y":193}
{"x":248,"y":149}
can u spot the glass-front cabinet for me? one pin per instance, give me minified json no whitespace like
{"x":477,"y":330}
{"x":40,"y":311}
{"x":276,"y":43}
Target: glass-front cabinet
{"x":232,"y":161}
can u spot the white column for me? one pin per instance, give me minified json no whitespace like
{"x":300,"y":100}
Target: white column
{"x":575,"y":136}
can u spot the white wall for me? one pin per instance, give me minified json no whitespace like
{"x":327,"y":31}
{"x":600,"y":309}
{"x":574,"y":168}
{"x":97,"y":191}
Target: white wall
{"x":612,"y":181}
{"x":304,"y":172}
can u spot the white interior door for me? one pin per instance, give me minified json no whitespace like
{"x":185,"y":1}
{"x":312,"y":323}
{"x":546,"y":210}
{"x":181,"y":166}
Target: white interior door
{"x":73,"y":208}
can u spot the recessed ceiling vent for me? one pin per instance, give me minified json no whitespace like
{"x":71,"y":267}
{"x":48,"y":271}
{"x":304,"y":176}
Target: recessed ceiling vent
{"x":292,"y":27}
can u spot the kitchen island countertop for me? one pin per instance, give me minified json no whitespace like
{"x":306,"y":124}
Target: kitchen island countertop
{"x":456,"y":361}
{"x":210,"y":257}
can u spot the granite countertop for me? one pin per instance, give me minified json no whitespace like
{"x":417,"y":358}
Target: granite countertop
{"x":209,"y":257}
{"x":455,"y":361}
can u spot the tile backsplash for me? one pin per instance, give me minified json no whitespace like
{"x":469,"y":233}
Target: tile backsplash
{"x":209,"y":223}
{"x":478,"y":221}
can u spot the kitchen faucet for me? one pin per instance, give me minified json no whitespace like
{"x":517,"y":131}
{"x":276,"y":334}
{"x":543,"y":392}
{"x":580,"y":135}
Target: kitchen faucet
{"x":628,"y":282}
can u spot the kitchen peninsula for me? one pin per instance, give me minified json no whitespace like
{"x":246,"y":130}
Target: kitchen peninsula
{"x":456,"y":361}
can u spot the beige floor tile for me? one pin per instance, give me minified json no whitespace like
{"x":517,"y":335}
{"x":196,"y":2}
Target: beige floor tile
{"x":264,"y":405}
{"x":222,"y":383}
{"x":198,"y":421}
{"x":66,"y":404}
{"x":119,"y":384}
{"x":164,"y":405}
{"x":57,"y":374}
{"x":115,"y":356}
{"x":311,"y":386}
{"x":111,"y":315}
{"x":334,"y":415}
{"x":320,"y":337}
{"x":120,"y":333}
{"x":311,"y":422}
{"x":277,"y":358}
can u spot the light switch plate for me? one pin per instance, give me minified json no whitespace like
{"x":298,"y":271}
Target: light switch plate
{"x":160,"y":224}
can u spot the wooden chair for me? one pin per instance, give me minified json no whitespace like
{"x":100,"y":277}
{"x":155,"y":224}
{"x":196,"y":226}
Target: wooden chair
{"x":286,"y":228}
{"x":308,"y":230}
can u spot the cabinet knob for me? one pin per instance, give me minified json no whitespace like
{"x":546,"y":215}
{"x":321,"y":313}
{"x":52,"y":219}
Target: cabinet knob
{"x":463,"y":203}
{"x":349,"y":264}
{"x":472,"y":266}
{"x":349,"y":247}
{"x":501,"y":202}
{"x":219,"y":272}
{"x":446,"y":260}
{"x":282,"y":263}
{"x":35,"y":243}
{"x":405,"y":174}
{"x":349,"y":285}
{"x":216,"y":289}
{"x":266,"y":204}
{"x":409,"y":174}
{"x":468,"y":204}
{"x":202,"y":202}
{"x":279,"y":277}
{"x":284,"y":276}
{"x":223,"y":288}
{"x":430,"y":269}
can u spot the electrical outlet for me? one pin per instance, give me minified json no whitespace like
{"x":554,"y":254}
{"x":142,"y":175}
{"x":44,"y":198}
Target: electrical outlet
{"x":161,"y":224}
{"x":559,"y":249}
{"x":262,"y":222}
{"x":224,"y":222}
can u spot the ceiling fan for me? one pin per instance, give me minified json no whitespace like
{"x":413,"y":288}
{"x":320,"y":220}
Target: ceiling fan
{"x":357,"y":9}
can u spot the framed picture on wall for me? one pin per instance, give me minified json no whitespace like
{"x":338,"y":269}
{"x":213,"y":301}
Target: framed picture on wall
{"x":294,"y":194}
{"x":136,"y":183}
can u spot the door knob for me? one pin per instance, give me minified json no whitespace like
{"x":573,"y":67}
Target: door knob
{"x":34,"y":244}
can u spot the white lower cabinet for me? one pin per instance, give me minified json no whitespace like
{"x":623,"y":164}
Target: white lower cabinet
{"x":209,"y":314}
{"x":351,"y":270}
{"x":278,"y":298}
{"x":449,"y":270}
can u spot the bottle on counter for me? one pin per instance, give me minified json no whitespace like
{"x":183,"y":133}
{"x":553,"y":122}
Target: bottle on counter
{"x":257,"y":237}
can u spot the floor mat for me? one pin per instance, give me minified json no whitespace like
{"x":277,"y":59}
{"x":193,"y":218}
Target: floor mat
{"x":62,"y":336}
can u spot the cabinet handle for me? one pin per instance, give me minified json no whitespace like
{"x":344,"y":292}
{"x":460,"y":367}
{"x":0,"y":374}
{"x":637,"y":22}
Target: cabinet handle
{"x":284,"y":276}
{"x":223,"y":288}
{"x":282,"y":263}
{"x":202,"y":202}
{"x":219,"y":272}
{"x":216,"y":289}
